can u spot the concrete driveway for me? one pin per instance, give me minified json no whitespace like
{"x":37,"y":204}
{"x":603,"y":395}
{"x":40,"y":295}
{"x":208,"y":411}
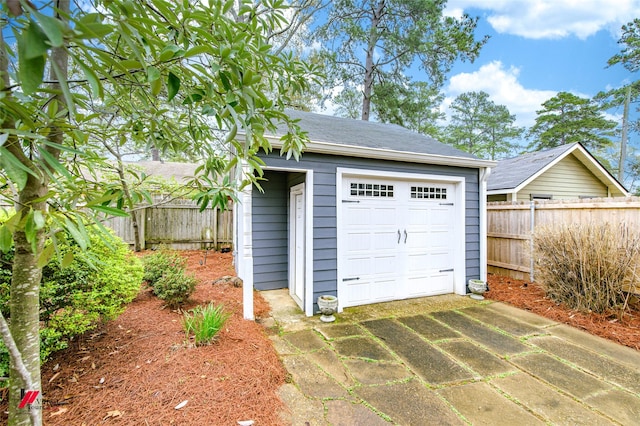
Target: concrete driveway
{"x":449,"y":360}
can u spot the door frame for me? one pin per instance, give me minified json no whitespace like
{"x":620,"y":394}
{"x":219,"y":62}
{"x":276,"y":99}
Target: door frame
{"x":296,"y":258}
{"x":459,"y":252}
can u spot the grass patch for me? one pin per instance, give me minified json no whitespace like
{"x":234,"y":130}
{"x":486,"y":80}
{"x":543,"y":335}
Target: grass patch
{"x":204,"y":323}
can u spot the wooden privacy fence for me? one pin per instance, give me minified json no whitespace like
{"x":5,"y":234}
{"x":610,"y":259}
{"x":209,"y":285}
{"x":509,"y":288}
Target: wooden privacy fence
{"x":510,"y":227}
{"x":178,"y":224}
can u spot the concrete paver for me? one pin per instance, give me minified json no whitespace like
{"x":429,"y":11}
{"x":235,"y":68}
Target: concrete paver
{"x":448,"y":360}
{"x":503,"y":322}
{"x":480,"y":404}
{"x":619,"y":405}
{"x":482,"y":362}
{"x":409,"y":403}
{"x":374,"y":373}
{"x":497,"y":342}
{"x":427,"y":361}
{"x":561,"y":375}
{"x":362,"y":347}
{"x":604,"y":367}
{"x":429,"y":328}
{"x":549,"y":404}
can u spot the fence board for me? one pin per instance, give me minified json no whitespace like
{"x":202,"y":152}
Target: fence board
{"x":509,"y":227}
{"x":178,"y":224}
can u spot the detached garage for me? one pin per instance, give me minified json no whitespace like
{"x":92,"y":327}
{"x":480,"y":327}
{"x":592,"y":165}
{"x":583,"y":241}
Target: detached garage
{"x":370,"y":213}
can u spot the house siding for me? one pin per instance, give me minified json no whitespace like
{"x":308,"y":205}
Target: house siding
{"x":324,"y":211}
{"x":568,"y":179}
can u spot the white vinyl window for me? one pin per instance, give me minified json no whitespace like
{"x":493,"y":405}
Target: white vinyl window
{"x":429,"y":192}
{"x":376,"y":190}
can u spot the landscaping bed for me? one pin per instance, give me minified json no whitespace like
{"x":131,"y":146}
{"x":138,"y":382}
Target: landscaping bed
{"x":137,"y":369}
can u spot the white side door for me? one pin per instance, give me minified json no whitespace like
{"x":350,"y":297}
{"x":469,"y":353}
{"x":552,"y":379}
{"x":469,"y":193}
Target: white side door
{"x":297,"y":244}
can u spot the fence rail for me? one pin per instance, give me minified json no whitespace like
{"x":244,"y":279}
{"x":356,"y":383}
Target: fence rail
{"x":510,"y":227}
{"x":178,"y":224}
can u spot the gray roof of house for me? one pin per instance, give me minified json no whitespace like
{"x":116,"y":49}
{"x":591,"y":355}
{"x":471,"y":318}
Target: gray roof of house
{"x":512,"y":172}
{"x":369,"y":134}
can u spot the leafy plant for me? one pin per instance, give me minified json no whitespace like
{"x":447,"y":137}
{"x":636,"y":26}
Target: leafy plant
{"x":205,"y":322}
{"x":590,"y":267}
{"x":95,"y":286}
{"x":174,"y":287}
{"x":161,"y":261}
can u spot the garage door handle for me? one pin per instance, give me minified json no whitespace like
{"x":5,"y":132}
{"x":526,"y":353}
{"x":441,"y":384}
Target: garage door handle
{"x":405,"y":236}
{"x":399,"y":236}
{"x":446,"y":270}
{"x":351,"y":279}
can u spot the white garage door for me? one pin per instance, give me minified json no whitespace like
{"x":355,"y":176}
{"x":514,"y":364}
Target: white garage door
{"x":397,"y":239}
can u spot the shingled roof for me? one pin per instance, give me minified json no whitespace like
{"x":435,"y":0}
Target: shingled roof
{"x":512,"y":172}
{"x":370,"y":134}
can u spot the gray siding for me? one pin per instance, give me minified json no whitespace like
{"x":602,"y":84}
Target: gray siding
{"x":324,"y":220}
{"x":270,"y":237}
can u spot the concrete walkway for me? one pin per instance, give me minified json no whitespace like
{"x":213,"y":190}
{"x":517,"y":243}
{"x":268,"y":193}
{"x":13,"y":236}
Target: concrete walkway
{"x":449,"y":360}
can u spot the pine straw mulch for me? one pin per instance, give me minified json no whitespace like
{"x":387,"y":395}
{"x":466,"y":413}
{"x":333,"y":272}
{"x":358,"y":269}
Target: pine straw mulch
{"x":136,"y":369}
{"x":531,"y":297}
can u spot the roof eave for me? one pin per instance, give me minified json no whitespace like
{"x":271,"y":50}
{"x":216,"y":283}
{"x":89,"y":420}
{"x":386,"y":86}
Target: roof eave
{"x":387,"y":154}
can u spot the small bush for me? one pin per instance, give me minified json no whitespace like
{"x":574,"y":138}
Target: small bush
{"x":95,"y":287}
{"x":588,"y":266}
{"x":204,"y":323}
{"x":174,"y":287}
{"x":160,"y":262}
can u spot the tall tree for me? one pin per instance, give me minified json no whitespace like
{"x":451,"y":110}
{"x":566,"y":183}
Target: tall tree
{"x":414,"y":105}
{"x":480,"y":126}
{"x":174,"y":75}
{"x":567,"y":118}
{"x":629,"y":57}
{"x":369,"y":43}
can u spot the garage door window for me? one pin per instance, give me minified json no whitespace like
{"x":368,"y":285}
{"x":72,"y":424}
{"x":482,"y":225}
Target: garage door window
{"x":375,"y":190}
{"x":429,"y":192}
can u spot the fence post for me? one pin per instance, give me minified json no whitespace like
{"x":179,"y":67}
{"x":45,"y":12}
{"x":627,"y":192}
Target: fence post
{"x":533,"y":226}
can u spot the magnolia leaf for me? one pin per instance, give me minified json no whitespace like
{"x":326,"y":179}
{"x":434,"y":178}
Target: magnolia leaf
{"x":153,"y":74}
{"x":173,"y":85}
{"x":45,"y":255}
{"x":81,"y":239}
{"x":67,"y":259}
{"x":34,"y":41}
{"x":38,"y":219}
{"x":15,"y":173}
{"x":156,"y":86}
{"x":30,"y":70}
{"x":111,"y":211}
{"x":198,"y":50}
{"x":52,"y":27}
{"x":92,"y":78}
{"x":6,"y":239}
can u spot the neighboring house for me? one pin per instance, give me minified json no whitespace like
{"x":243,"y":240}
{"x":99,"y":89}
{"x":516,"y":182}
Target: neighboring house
{"x":566,"y":172}
{"x":370,"y":213}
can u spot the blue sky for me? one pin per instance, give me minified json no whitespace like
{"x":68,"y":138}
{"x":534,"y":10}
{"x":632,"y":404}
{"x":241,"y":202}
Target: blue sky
{"x":541,"y":47}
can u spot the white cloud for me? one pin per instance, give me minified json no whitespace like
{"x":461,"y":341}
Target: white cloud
{"x":549,"y":19}
{"x":503,"y":88}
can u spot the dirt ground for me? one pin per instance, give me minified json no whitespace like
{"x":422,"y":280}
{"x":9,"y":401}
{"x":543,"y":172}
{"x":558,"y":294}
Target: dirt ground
{"x":140,"y":369}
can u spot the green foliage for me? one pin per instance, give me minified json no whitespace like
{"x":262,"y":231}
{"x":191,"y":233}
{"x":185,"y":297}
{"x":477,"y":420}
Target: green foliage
{"x":160,"y":262}
{"x":567,"y":118}
{"x":589,"y":267}
{"x":481,"y":127}
{"x":175,"y":287}
{"x":204,"y":323}
{"x":372,"y":43}
{"x":95,"y":286}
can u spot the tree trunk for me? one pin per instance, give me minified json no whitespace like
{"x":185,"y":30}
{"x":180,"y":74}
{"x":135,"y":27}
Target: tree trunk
{"x":24,"y":302}
{"x":368,"y":72}
{"x":625,"y":131}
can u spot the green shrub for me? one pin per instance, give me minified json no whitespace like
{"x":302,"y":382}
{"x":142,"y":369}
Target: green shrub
{"x":96,"y":286}
{"x":174,"y":287}
{"x":205,"y":323}
{"x":588,"y":267}
{"x":159,"y":262}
